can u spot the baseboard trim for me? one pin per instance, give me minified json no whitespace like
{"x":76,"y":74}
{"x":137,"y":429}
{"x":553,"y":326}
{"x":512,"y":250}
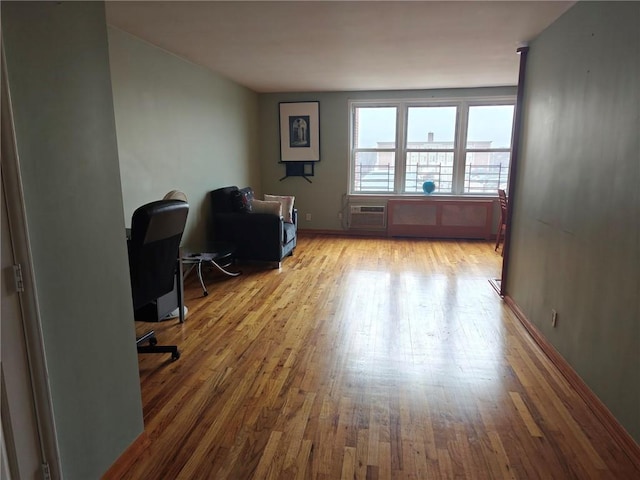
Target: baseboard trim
{"x":125,"y":461}
{"x":626,"y":442}
{"x":376,"y":234}
{"x":344,"y":233}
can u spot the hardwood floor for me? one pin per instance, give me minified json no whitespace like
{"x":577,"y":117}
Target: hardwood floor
{"x":362,"y":358}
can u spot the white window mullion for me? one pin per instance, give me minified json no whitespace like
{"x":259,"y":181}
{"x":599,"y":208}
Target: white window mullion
{"x":459,"y":154}
{"x":401,"y":148}
{"x":352,"y":147}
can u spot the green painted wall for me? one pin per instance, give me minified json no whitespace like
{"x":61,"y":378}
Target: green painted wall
{"x":576,"y":229}
{"x":58,"y":72}
{"x":325,"y":197}
{"x":179,"y":127}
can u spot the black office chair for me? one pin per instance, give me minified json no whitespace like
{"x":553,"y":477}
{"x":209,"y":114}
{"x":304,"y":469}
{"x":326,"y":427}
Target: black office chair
{"x":156,"y":232}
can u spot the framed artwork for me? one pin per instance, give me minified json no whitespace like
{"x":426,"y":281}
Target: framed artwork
{"x":300,"y":131}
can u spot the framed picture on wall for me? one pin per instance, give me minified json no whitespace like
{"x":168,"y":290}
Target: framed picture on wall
{"x":300,"y":131}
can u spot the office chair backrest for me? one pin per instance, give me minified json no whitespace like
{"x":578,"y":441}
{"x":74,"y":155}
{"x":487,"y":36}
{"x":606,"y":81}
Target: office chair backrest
{"x":156,"y":232}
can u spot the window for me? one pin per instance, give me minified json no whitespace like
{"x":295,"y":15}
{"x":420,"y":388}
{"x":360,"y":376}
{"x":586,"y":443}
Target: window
{"x":462,"y":146}
{"x":488,"y":148}
{"x":374,"y":152}
{"x":430,"y":148}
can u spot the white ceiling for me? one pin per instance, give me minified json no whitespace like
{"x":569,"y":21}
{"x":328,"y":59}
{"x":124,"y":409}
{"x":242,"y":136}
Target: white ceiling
{"x":339,"y":46}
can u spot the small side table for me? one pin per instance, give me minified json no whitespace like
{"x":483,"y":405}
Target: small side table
{"x":220,"y":258}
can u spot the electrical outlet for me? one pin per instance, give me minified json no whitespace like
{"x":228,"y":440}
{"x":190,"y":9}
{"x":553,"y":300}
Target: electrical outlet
{"x":554,"y":318}
{"x":340,"y":216}
{"x":308,"y":217}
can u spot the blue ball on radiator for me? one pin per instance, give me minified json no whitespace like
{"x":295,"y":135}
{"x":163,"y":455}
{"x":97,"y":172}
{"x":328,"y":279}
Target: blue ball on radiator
{"x":428,"y":187}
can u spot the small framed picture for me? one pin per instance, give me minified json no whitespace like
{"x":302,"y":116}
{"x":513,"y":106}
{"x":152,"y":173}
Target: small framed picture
{"x":300,"y":131}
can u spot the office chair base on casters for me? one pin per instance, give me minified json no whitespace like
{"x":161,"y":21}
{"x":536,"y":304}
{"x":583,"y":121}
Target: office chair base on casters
{"x":153,"y":346}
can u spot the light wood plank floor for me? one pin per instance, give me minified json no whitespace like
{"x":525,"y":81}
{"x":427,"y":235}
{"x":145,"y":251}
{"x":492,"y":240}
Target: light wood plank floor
{"x":362,"y":358}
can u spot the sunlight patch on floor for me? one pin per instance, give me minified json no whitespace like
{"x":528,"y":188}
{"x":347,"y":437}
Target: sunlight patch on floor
{"x":420,"y":328}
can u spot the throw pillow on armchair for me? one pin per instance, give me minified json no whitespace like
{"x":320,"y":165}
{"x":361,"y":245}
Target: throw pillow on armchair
{"x":263,"y":206}
{"x":242,"y":200}
{"x":287,"y":205}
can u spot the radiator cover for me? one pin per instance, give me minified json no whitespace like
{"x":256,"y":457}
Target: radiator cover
{"x":444,"y":218}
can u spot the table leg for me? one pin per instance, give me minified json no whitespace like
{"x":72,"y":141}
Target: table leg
{"x":180,"y":281}
{"x":223,"y":270}
{"x":204,"y":289}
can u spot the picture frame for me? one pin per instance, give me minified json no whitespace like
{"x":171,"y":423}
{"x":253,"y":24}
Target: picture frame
{"x":299,"y":131}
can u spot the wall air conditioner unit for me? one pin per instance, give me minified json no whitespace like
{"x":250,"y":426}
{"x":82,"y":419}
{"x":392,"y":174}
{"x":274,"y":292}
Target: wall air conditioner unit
{"x":368,"y":217}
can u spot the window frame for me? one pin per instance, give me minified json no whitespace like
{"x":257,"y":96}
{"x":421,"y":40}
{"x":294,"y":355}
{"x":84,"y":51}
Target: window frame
{"x":464,"y":140}
{"x":401,"y":150}
{"x":353,"y":150}
{"x":406,"y":149}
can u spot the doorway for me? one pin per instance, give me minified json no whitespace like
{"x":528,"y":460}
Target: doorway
{"x":28,"y":441}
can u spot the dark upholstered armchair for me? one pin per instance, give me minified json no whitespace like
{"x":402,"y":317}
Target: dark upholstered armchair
{"x":262,"y":237}
{"x":156,"y":232}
